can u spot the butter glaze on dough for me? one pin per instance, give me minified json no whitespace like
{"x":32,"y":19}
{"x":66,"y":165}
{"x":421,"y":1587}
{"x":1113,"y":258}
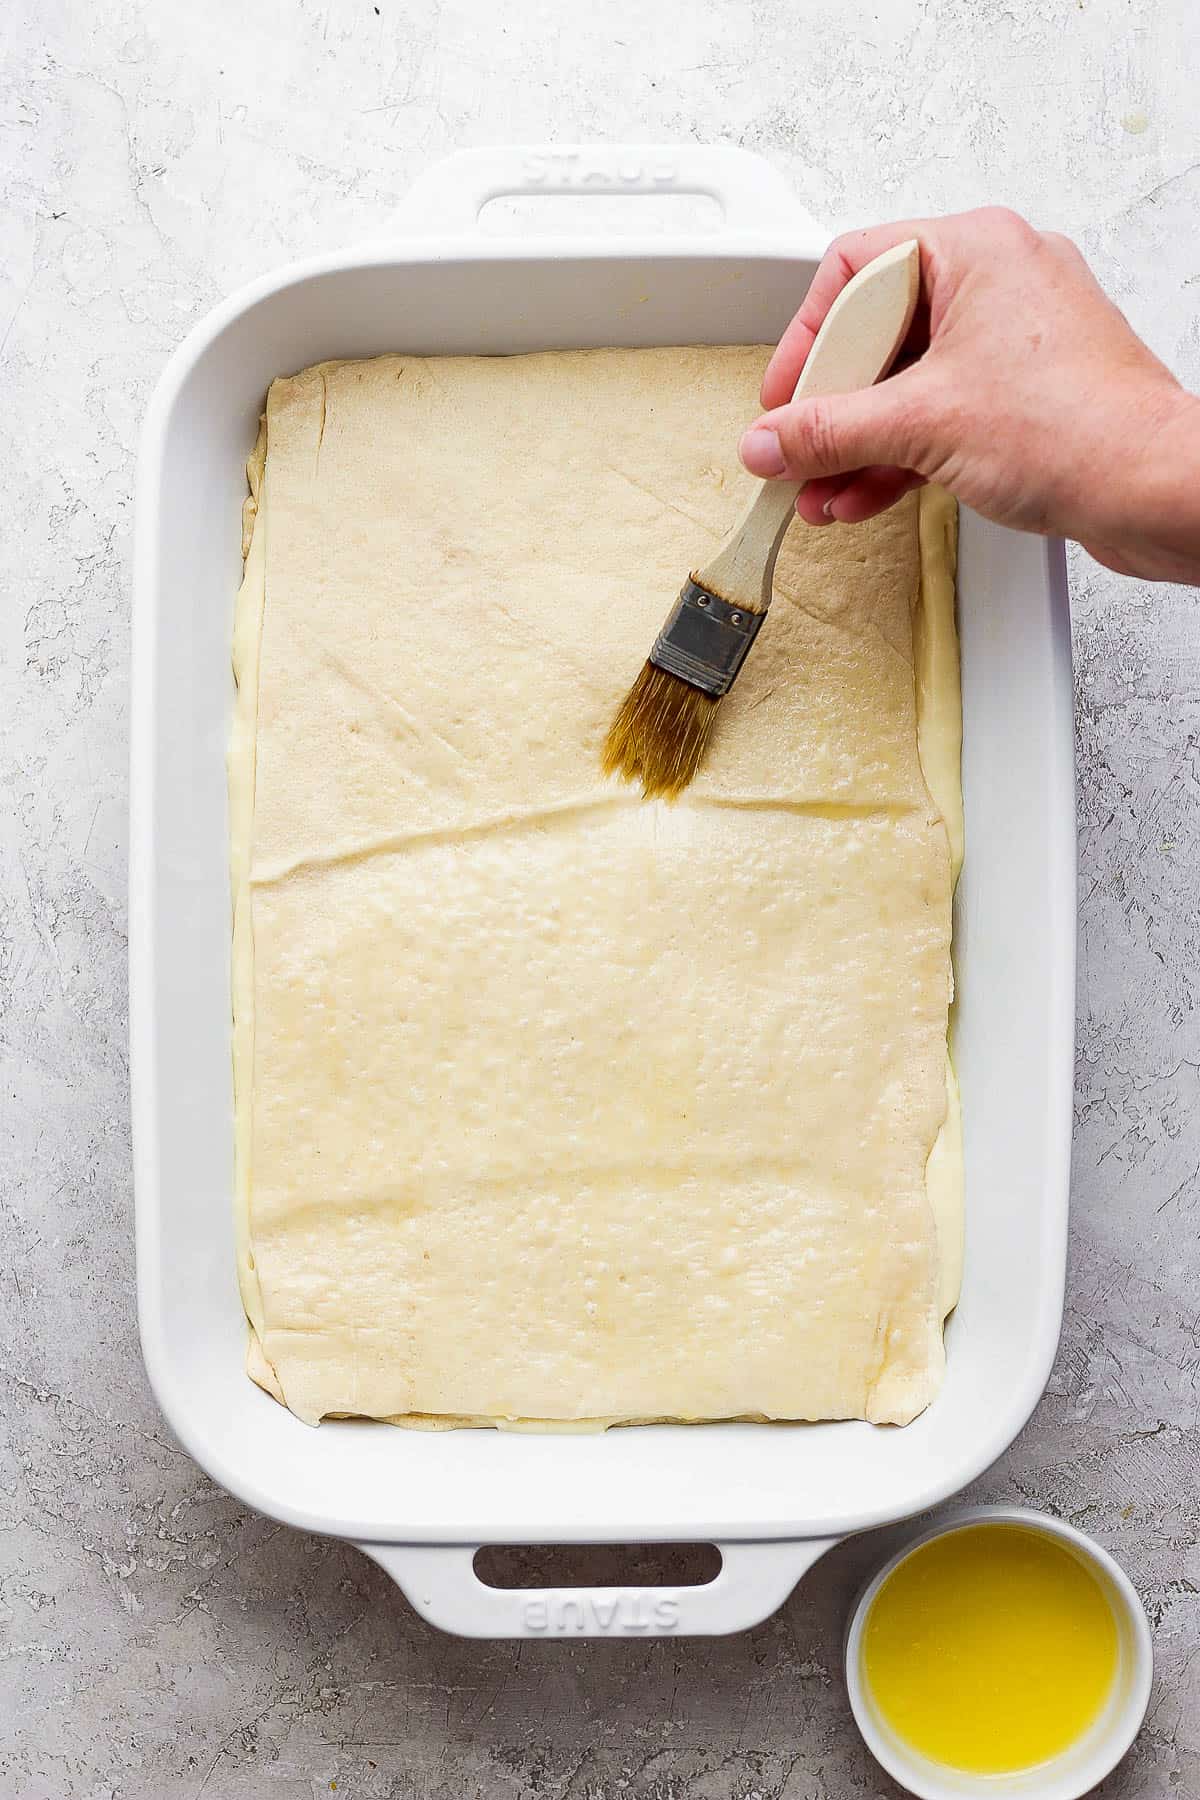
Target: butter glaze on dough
{"x":554,"y":1107}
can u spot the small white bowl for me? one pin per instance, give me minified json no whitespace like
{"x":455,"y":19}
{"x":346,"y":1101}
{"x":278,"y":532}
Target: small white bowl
{"x":1075,"y":1770}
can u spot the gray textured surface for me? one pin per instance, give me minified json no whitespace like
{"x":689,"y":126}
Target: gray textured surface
{"x":156,"y":1640}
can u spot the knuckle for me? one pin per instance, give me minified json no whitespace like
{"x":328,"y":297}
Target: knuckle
{"x":1006,"y":221}
{"x":908,"y":432}
{"x":906,"y":428}
{"x":916,"y":413}
{"x":844,"y":241}
{"x":838,"y":256}
{"x":812,"y":438}
{"x":1063,"y":247}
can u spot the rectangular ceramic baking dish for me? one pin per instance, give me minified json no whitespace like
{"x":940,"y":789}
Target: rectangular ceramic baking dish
{"x":771,"y":1497}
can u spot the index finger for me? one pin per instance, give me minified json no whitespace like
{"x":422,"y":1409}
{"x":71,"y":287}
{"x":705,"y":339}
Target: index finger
{"x":845,"y":257}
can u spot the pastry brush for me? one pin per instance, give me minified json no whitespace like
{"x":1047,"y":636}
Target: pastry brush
{"x":659,"y":733}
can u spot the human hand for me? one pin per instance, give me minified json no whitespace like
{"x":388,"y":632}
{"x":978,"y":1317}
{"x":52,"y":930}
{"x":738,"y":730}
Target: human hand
{"x":1030,"y":398}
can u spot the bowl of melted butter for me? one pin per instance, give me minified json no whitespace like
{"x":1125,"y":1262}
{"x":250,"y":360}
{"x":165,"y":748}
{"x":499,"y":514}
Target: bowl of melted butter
{"x":1000,"y":1652}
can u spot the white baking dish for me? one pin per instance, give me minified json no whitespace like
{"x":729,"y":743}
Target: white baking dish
{"x":773,"y":1497}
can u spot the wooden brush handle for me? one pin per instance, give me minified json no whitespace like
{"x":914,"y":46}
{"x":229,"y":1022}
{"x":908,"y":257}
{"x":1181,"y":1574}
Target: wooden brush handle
{"x":861,"y":334}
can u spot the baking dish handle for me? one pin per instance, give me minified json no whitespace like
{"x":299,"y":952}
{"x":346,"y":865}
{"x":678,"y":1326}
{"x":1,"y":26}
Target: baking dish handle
{"x":752,"y":194}
{"x":441,"y":1583}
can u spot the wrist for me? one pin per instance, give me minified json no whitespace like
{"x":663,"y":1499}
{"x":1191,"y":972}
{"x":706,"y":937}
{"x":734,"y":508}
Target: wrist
{"x":1150,"y":524}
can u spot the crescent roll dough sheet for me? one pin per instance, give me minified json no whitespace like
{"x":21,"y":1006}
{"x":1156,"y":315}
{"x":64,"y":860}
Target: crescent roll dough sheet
{"x":554,"y":1106}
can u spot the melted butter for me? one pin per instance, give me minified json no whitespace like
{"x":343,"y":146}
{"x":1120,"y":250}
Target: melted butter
{"x":991,"y":1649}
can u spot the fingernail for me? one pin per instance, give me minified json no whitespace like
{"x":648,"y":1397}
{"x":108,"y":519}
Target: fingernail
{"x":827,"y":509}
{"x":761,"y":452}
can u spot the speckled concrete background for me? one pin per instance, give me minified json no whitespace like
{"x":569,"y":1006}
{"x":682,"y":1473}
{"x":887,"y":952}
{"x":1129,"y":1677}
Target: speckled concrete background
{"x":158,"y":1641}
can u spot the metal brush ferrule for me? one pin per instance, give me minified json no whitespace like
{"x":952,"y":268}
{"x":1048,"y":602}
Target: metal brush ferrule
{"x":705,"y":640}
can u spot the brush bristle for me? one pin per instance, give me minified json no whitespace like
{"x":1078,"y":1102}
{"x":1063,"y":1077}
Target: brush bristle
{"x":659,"y":733}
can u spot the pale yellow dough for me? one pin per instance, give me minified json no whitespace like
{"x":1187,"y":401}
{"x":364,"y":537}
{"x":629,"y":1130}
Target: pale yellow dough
{"x":554,"y":1106}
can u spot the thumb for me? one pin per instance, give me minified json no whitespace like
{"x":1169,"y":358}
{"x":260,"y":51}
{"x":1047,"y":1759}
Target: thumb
{"x":834,"y":434}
